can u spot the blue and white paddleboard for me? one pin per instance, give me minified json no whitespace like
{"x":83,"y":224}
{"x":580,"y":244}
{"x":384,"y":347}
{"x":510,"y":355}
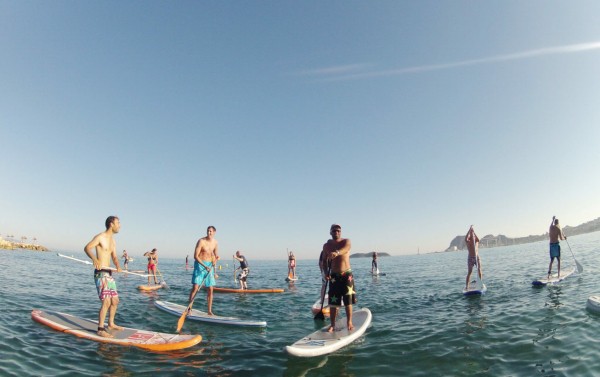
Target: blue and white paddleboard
{"x":475,"y":288}
{"x":553,"y":278}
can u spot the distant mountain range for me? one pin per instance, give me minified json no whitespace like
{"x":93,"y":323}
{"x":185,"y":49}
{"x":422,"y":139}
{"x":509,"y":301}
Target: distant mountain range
{"x":458,"y":243}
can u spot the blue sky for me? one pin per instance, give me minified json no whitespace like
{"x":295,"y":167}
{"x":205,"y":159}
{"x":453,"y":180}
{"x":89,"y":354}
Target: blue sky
{"x":404,"y":121}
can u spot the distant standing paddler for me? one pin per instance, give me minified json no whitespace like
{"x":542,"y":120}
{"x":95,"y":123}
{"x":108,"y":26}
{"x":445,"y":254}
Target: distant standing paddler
{"x":106,"y":249}
{"x":473,"y":258}
{"x":291,"y":265}
{"x":125,"y":257}
{"x":245,"y":270}
{"x":152,"y":264}
{"x":556,"y":234}
{"x":341,"y":283}
{"x":374,"y":267}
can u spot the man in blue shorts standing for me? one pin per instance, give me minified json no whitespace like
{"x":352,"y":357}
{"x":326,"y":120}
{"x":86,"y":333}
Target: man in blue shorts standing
{"x":206,"y":255}
{"x":556,"y":234}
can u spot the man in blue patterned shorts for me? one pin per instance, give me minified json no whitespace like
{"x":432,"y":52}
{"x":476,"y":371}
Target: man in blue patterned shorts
{"x":105,"y":246}
{"x":341,"y":282}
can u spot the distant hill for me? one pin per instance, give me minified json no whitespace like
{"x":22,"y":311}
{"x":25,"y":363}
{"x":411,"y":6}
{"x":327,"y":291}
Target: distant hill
{"x":458,"y":243}
{"x":368,"y":255}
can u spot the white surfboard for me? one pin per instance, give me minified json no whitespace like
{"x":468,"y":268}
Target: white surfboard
{"x":553,"y":278}
{"x":197,"y":315}
{"x":593,"y":304}
{"x":322,"y":342}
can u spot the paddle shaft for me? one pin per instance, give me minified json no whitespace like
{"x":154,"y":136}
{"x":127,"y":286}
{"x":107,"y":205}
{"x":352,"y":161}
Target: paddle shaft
{"x":110,"y":268}
{"x":189,"y":307}
{"x":320,"y":315}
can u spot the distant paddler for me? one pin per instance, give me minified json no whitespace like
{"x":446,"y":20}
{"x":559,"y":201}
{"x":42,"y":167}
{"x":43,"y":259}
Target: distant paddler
{"x":106,"y":249}
{"x":152,"y":264}
{"x":291,"y":265}
{"x":125,"y":257}
{"x":245,"y":269}
{"x":374,"y":267}
{"x":473,"y":258}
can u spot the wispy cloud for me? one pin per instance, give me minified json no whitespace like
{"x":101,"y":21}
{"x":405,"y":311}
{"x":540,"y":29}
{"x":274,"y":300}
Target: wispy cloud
{"x":353,"y":72}
{"x":335,"y":70}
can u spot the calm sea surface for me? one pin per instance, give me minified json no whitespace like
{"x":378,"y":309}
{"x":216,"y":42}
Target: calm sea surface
{"x":422,"y":324}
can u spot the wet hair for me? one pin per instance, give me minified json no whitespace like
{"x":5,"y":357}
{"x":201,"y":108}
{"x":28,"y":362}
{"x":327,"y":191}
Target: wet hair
{"x":213,"y":228}
{"x":109,"y":220}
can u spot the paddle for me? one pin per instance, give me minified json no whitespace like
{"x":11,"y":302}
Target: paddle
{"x":189,"y":307}
{"x":477,"y":259}
{"x":320,"y":314}
{"x":579,"y":266}
{"x":110,"y":268}
{"x":162,"y":278}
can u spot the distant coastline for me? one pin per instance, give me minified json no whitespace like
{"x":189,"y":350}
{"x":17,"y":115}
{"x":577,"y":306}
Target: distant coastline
{"x":12,"y":245}
{"x":489,"y":241}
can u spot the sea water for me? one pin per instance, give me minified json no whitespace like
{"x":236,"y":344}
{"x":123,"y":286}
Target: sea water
{"x":422,"y":324}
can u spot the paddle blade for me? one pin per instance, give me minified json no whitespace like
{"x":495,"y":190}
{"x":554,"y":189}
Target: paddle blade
{"x":181,"y":320}
{"x":320,"y":316}
{"x":579,"y":267}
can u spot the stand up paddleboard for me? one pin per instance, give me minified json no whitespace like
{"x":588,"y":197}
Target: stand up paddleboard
{"x":238,"y":290}
{"x":553,"y":278}
{"x":593,"y":304}
{"x":148,"y":288}
{"x":322,"y":342}
{"x":475,"y":288}
{"x":85,"y":328}
{"x":197,"y":315}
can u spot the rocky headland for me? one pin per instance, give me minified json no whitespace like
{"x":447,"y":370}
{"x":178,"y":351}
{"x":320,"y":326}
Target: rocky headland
{"x":458,"y":243}
{"x":12,"y":245}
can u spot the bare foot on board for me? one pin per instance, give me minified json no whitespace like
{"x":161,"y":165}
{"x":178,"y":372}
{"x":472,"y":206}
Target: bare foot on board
{"x":103,"y":333}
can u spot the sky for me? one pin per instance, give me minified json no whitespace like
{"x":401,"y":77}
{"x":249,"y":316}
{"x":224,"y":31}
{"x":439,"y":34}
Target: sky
{"x":403,"y":121}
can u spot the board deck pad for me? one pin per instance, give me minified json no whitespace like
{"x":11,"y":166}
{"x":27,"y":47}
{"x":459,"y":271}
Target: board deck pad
{"x":322,"y":342}
{"x":198,"y":315}
{"x":86,"y":328}
{"x":554,"y":278}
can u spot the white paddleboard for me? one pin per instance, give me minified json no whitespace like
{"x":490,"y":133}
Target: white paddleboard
{"x":197,"y":315}
{"x":322,"y":342}
{"x":291,"y":279}
{"x":553,"y":278}
{"x":593,"y":304}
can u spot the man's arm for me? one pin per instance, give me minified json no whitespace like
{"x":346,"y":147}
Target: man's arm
{"x":116,"y":260}
{"x":88,"y":250}
{"x":216,"y":252}
{"x":345,"y":249}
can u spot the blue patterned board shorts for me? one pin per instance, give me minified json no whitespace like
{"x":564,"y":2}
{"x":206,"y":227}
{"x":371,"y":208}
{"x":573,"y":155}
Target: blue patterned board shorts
{"x":200,"y":274}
